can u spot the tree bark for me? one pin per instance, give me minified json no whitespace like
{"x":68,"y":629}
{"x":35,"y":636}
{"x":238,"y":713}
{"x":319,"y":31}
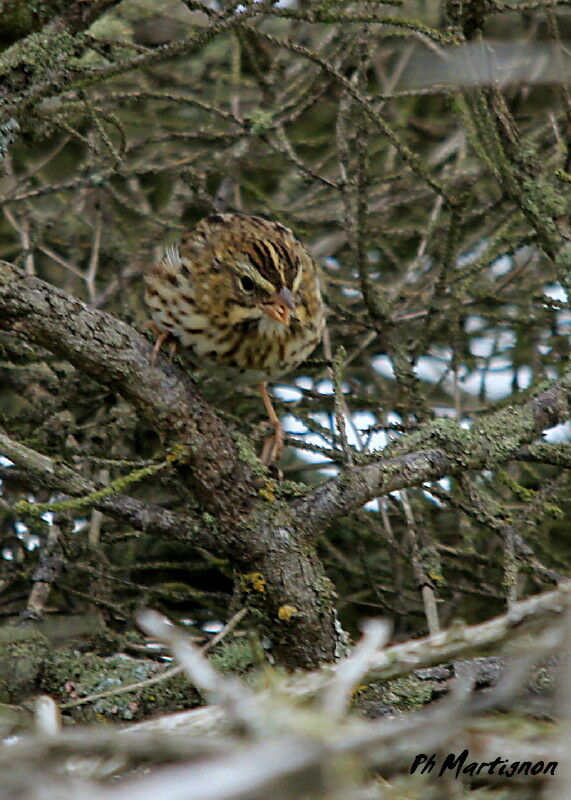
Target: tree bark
{"x":277,"y":568}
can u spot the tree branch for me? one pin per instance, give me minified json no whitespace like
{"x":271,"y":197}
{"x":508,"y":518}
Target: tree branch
{"x":278,"y":568}
{"x":492,"y":440}
{"x":114,"y":353}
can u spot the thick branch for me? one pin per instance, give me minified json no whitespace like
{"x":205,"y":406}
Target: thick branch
{"x":113,"y":353}
{"x":264,"y":540}
{"x":493,"y":440}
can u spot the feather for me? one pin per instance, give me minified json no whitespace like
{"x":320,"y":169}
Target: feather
{"x":171,"y":257}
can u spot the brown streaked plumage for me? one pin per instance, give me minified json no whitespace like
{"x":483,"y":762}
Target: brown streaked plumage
{"x":242,"y":294}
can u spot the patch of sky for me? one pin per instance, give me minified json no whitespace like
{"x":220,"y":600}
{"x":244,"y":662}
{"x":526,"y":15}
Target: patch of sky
{"x":330,"y":472}
{"x":383,"y":366}
{"x":375,"y":504}
{"x":559,"y":433}
{"x":5,"y":462}
{"x":291,"y":393}
{"x":31,"y":541}
{"x":431,"y":369}
{"x":445,"y":411}
{"x":474,"y":323}
{"x":393,"y":418}
{"x":498,"y":380}
{"x":213,"y":626}
{"x":556,"y":292}
{"x":473,"y":254}
{"x":357,"y":431}
{"x":325,"y":386}
{"x":444,"y":484}
{"x":304,"y":383}
{"x":295,"y":427}
{"x":483,"y":346}
{"x":348,"y":291}
{"x":287,"y":394}
{"x":372,"y":505}
{"x":501,"y":265}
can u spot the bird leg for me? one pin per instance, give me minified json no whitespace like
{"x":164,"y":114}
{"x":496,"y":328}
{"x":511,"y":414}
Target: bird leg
{"x":162,"y":337}
{"x":273,"y":445}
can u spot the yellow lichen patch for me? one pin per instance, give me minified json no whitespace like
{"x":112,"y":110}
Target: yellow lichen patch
{"x":253,"y":582}
{"x":179,"y":453}
{"x":286,"y":612}
{"x":268,"y":492}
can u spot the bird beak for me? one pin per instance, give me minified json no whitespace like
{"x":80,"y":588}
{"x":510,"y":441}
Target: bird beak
{"x":279,"y":306}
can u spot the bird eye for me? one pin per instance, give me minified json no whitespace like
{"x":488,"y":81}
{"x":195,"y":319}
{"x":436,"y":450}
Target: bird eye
{"x":248,"y":284}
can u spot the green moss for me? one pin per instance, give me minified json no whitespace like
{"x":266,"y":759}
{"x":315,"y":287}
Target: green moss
{"x":80,"y":503}
{"x":500,"y":434}
{"x":248,"y":454}
{"x":564,"y":256}
{"x":291,"y":489}
{"x":72,"y":675}
{"x":402,"y":693}
{"x":22,"y":661}
{"x":8,"y":132}
{"x":260,"y":121}
{"x":236,"y":656}
{"x":176,"y":592}
{"x":490,"y":441}
{"x":40,"y":52}
{"x":542,"y":199}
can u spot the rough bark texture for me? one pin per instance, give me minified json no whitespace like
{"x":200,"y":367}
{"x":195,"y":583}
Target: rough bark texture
{"x":262,"y":539}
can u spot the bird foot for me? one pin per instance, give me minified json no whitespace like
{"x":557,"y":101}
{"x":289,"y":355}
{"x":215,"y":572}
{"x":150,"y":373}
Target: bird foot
{"x":162,"y":337}
{"x":273,"y":446}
